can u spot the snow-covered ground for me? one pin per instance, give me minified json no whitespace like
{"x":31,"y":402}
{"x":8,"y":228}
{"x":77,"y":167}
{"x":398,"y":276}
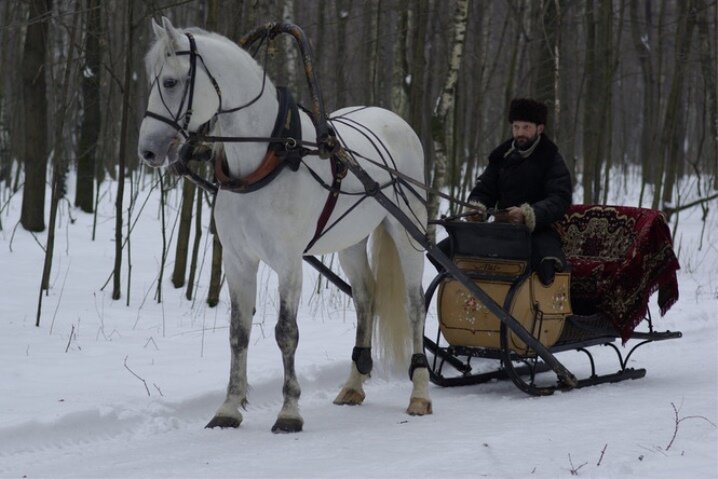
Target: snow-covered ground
{"x":102,"y":389}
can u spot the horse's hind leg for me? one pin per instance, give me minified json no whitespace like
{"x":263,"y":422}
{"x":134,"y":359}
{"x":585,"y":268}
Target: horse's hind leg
{"x":355,"y":265}
{"x":412,"y":264}
{"x":287,"y":335}
{"x":242,"y":282}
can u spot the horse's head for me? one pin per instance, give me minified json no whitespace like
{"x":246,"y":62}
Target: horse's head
{"x":183,"y":95}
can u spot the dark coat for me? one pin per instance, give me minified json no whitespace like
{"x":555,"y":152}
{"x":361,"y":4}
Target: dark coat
{"x":541,"y":180}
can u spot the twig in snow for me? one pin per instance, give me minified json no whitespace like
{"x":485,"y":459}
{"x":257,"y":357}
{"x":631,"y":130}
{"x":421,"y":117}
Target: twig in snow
{"x":12,"y":236}
{"x":574,"y":470}
{"x":680,"y":420}
{"x":62,"y":290}
{"x":158,"y":389}
{"x":603,"y":451}
{"x":135,"y":375}
{"x":69,"y":340}
{"x":152,"y":340}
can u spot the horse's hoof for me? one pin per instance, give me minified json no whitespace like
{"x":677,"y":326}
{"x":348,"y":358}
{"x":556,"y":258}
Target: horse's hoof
{"x":349,"y":397}
{"x":223,"y":422}
{"x":287,"y":425}
{"x":419,"y":407}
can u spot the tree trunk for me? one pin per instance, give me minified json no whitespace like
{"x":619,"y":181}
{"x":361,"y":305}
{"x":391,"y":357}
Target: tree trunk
{"x":6,"y":159}
{"x":649,"y":131}
{"x":598,"y":68}
{"x":342,"y":18}
{"x":371,"y":51}
{"x":195,"y":247}
{"x":400,"y":88}
{"x":117,"y":272}
{"x":290,"y":48}
{"x":547,"y":73}
{"x":445,"y":103}
{"x":185,"y":226}
{"x":671,"y":138}
{"x":91,"y":118}
{"x":34,"y":96}
{"x":420,"y":19}
{"x":708,"y":67}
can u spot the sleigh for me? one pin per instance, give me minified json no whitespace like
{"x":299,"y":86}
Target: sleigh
{"x":618,"y":257}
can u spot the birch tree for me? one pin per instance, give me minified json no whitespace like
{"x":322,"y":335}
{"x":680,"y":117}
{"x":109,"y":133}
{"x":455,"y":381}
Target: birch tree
{"x":445,"y":102}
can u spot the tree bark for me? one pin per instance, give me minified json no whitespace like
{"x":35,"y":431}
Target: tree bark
{"x":34,"y":96}
{"x":400,"y":88}
{"x":671,"y":138}
{"x":91,"y":118}
{"x":547,"y":72}
{"x":598,"y":70}
{"x":117,"y":272}
{"x":649,"y":131}
{"x":709,"y":70}
{"x":342,"y":7}
{"x":439,"y":132}
{"x":185,"y":226}
{"x":195,"y":247}
{"x":420,"y":20}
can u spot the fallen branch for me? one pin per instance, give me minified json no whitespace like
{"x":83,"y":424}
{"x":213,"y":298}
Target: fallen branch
{"x":135,"y":375}
{"x":603,"y":451}
{"x":574,"y":470}
{"x":72,"y":333}
{"x":669,"y":210}
{"x":678,"y":421}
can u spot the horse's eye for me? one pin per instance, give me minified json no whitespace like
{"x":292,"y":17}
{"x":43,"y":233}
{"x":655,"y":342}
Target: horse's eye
{"x":169,"y":83}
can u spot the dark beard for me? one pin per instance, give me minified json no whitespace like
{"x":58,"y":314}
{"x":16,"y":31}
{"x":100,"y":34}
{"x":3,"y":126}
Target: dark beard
{"x":523,"y":142}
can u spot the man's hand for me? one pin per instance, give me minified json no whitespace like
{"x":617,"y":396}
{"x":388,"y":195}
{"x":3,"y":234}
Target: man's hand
{"x":478,"y":215}
{"x":513,"y":215}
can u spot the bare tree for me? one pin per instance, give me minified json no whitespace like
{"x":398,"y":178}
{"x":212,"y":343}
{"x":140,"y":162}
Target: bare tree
{"x":91,"y":118}
{"x":117,"y":272}
{"x":439,"y":132}
{"x":35,"y":110}
{"x":671,"y":137}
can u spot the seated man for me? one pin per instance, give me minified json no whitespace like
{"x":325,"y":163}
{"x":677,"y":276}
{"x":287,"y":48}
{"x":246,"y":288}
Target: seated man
{"x":527,"y":180}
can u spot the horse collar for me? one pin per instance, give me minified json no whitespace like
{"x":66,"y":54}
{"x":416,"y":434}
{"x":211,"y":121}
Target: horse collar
{"x":280,"y":154}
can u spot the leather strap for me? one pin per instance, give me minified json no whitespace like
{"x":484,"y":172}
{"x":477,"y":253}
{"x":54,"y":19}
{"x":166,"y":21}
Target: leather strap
{"x":339,"y":172}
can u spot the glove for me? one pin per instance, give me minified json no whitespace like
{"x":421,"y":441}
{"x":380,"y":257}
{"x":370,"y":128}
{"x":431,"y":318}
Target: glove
{"x":479,"y":213}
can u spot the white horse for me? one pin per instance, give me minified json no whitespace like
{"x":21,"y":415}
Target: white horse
{"x":275,"y":223}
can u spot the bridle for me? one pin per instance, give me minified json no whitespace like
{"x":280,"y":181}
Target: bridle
{"x":173,"y":119}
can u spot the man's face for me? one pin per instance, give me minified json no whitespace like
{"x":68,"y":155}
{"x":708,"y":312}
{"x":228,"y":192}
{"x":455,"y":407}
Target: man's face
{"x":525,"y":132}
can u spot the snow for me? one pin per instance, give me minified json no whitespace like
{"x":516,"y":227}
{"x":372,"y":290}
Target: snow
{"x":71,"y":405}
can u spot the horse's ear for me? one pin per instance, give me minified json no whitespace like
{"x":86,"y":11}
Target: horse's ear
{"x":158,"y":30}
{"x":172,"y":33}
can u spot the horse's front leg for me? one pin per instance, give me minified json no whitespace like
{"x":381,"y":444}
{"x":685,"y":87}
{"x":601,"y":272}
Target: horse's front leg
{"x":242,"y":282}
{"x":287,"y":335}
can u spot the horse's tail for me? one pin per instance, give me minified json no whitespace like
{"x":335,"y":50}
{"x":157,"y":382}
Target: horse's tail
{"x":391,"y":326}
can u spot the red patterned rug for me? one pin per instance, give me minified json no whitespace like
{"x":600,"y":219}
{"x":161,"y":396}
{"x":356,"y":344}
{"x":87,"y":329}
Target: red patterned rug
{"x":619,"y":257}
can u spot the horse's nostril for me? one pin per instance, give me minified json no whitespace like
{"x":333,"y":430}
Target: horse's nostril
{"x":148,"y":155}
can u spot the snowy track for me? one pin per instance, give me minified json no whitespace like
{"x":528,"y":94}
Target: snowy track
{"x":70,"y":407}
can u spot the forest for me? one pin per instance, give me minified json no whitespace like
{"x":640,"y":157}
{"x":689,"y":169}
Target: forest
{"x":630,"y":86}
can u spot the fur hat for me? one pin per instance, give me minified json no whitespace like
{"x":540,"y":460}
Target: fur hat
{"x":526,"y":109}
